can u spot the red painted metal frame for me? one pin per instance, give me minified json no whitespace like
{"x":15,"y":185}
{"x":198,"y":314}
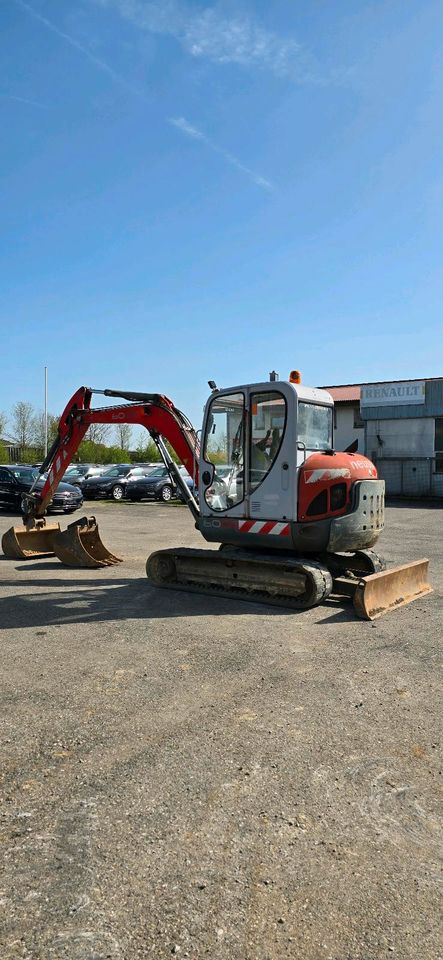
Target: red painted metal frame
{"x":321,"y":471}
{"x":158,"y":416}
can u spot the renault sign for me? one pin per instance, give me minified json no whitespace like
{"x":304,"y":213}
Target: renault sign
{"x":393,"y":394}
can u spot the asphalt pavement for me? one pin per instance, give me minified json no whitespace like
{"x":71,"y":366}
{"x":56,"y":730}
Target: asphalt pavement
{"x":208,"y":778}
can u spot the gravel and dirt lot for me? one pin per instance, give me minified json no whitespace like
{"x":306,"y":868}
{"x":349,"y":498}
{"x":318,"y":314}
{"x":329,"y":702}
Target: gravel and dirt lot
{"x":201,"y":777}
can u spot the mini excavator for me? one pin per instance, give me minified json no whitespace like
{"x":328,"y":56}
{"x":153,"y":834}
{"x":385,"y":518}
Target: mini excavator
{"x":295,"y":520}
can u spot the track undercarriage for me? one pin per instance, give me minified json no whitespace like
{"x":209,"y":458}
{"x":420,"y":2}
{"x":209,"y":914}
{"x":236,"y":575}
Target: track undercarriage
{"x":290,"y":581}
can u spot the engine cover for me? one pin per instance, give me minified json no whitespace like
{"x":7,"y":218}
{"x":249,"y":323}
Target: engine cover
{"x":325,"y":483}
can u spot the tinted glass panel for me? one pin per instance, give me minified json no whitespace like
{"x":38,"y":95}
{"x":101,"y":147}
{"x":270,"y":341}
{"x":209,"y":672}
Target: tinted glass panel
{"x":26,"y":474}
{"x":224,"y":444}
{"x":315,"y":426}
{"x":439,"y":434}
{"x":268,"y":421}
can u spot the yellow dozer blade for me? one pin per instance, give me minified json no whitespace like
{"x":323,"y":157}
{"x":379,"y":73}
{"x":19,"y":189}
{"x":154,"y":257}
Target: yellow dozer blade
{"x":23,"y":543}
{"x":77,"y":546}
{"x":392,"y":588}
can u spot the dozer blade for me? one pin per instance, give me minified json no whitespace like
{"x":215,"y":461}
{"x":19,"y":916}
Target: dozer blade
{"x":23,"y":543}
{"x":80,"y":545}
{"x":391,"y":588}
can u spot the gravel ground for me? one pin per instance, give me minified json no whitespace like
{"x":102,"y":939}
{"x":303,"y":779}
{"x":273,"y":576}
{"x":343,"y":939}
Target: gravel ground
{"x":212,"y":778}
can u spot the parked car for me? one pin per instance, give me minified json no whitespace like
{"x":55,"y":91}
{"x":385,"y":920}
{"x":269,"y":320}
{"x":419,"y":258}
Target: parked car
{"x":113,"y":482}
{"x":16,"y":481}
{"x":77,"y":473}
{"x":155,"y":485}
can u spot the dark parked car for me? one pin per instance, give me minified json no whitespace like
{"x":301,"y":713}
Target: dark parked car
{"x":156,"y":485}
{"x":15,"y":481}
{"x":112,"y":483}
{"x":77,"y":473}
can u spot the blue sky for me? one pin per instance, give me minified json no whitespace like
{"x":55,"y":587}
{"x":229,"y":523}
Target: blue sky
{"x":197,"y":190}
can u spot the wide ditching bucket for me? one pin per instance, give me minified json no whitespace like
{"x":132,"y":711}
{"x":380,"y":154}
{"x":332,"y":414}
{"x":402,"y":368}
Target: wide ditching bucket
{"x":24,"y":543}
{"x":77,"y":546}
{"x":80,"y":545}
{"x":390,"y":589}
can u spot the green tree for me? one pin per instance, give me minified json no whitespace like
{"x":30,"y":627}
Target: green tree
{"x":115,"y":455}
{"x":3,"y":453}
{"x":146,"y":451}
{"x":90,"y":452}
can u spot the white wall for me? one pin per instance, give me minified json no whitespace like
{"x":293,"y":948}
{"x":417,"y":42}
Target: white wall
{"x":345,"y":432}
{"x":411,"y":437}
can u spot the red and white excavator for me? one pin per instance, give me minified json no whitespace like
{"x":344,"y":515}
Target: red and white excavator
{"x":295,"y":519}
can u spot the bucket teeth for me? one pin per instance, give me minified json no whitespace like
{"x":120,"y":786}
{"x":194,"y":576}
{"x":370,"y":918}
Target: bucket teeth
{"x":390,"y":589}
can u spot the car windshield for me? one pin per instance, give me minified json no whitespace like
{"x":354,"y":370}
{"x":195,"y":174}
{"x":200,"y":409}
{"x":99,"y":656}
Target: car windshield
{"x":76,"y":471}
{"x":115,"y":472}
{"x":25,"y":474}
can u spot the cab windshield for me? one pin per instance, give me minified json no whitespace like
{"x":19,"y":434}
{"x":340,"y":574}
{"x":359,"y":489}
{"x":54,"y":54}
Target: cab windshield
{"x":315,"y":426}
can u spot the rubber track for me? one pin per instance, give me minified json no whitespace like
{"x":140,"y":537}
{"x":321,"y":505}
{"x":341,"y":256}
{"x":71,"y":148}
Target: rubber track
{"x":318,"y":576}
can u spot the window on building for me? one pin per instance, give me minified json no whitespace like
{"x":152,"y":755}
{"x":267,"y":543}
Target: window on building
{"x":438,"y":445}
{"x":358,"y":420}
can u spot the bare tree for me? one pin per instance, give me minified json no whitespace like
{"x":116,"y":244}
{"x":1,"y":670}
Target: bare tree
{"x":98,"y":432}
{"x":2,"y":423}
{"x":22,"y":422}
{"x":124,"y":432}
{"x":39,"y":429}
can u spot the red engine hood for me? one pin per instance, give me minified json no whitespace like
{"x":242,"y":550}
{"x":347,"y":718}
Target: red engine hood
{"x":320,"y":467}
{"x":326,"y":481}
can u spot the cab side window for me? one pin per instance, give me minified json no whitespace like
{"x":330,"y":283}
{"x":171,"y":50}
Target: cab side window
{"x":268,"y":422}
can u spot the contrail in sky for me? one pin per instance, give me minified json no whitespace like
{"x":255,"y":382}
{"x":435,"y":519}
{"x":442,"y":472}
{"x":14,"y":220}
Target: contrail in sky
{"x":179,"y":122}
{"x":195,"y":134}
{"x":101,"y":64}
{"x":32,"y":103}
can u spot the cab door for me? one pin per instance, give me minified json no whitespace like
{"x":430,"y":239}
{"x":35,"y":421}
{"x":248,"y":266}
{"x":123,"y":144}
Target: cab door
{"x":271,"y":485}
{"x":222,"y":463}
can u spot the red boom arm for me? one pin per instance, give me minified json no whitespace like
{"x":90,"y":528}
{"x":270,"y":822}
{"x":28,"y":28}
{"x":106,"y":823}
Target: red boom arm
{"x":156,"y":413}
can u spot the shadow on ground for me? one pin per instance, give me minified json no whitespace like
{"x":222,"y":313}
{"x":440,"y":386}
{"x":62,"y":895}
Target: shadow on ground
{"x":121,"y":599}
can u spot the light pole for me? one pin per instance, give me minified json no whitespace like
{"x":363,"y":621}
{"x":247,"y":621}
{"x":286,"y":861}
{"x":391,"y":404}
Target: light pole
{"x":46,"y":412}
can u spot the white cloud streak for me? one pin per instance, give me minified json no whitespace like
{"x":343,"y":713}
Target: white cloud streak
{"x":179,"y":122}
{"x":31,"y":103}
{"x":101,"y":64}
{"x":195,"y":134}
{"x":211,"y":35}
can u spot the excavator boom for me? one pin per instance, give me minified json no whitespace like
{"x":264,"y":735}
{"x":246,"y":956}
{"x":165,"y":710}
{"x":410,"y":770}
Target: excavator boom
{"x":80,"y":544}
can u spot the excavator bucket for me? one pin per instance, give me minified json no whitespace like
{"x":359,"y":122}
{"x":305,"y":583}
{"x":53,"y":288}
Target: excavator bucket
{"x":392,"y":588}
{"x":23,"y":543}
{"x":77,"y":546}
{"x":80,"y":545}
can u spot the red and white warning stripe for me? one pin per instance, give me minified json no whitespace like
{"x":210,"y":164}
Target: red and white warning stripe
{"x":273,"y":527}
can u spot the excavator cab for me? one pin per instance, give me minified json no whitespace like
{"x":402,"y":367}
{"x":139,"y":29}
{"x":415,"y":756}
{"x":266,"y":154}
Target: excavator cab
{"x":256,"y":441}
